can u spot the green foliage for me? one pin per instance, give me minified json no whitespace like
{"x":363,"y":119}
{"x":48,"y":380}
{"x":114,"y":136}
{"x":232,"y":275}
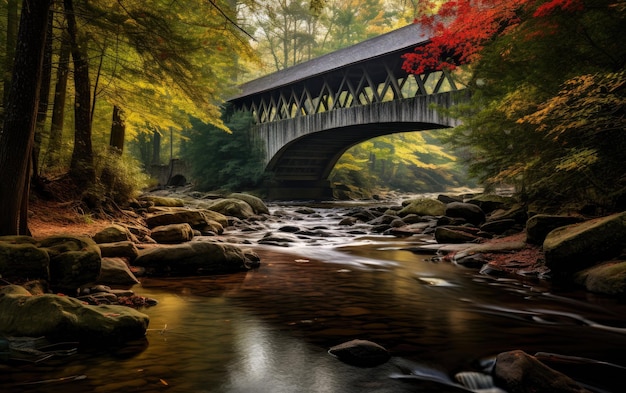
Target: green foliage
{"x":412,"y":162}
{"x":120,"y":176}
{"x":224,"y":161}
{"x":547,"y":107}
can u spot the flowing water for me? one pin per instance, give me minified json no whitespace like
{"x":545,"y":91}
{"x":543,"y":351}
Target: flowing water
{"x":269,"y":330}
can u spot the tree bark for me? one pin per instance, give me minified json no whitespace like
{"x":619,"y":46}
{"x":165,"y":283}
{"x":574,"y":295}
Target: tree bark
{"x":44,"y":98}
{"x":156,"y":148}
{"x":12,"y":19}
{"x":16,"y":137}
{"x":118,"y":130}
{"x":82,"y":170}
{"x":58,"y":109}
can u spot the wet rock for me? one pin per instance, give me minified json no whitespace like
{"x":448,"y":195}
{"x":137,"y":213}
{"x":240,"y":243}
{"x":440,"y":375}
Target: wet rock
{"x":74,"y":261}
{"x":454,"y":235}
{"x":468,"y":211}
{"x":305,"y":210}
{"x":123,"y":249}
{"x":66,"y":318}
{"x":361,"y":353}
{"x":278,"y":239}
{"x":257,"y":205}
{"x":516,"y":212}
{"x":538,"y":226}
{"x":448,"y":199}
{"x":172,"y":234}
{"x":386,"y":219}
{"x":193,"y":217}
{"x":423,"y":207}
{"x":474,"y":261}
{"x":498,"y":226}
{"x":163,"y":201}
{"x":607,"y":278}
{"x":115,"y":271}
{"x":518,"y":372}
{"x":490,"y":202}
{"x":113,"y":234}
{"x":233,"y":207}
{"x":348,"y":221}
{"x":192,"y":258}
{"x":576,"y":247}
{"x":408,"y":230}
{"x":289,"y":229}
{"x":21,"y":259}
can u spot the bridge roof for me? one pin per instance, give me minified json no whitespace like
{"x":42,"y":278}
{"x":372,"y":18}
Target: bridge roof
{"x":403,"y":39}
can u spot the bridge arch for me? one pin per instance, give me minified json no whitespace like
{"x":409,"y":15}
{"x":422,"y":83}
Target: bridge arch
{"x":301,"y":153}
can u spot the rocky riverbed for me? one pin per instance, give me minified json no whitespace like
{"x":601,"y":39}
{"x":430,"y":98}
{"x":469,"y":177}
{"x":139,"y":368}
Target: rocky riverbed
{"x":193,"y":234}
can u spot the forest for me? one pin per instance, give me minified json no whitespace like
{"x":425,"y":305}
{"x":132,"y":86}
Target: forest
{"x":93,"y":91}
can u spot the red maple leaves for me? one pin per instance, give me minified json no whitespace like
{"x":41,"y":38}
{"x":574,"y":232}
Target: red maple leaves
{"x":461,"y":28}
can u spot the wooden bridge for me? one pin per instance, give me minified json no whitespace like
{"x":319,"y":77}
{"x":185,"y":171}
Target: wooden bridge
{"x":308,"y":115}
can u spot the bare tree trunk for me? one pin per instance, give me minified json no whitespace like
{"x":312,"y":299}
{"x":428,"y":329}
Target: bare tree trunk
{"x":12,"y":19}
{"x":16,"y":139}
{"x":82,"y":170}
{"x":58,"y":110}
{"x":156,"y":148}
{"x":118,"y":130}
{"x":44,"y":98}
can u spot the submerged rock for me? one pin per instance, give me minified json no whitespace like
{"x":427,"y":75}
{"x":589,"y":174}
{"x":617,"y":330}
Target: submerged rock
{"x":518,"y":372}
{"x":361,"y":353}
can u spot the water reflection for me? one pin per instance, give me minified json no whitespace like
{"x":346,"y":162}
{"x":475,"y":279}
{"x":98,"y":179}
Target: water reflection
{"x":269,"y":330}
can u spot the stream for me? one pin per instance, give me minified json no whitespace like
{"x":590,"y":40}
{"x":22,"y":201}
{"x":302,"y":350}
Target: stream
{"x":268,"y":330}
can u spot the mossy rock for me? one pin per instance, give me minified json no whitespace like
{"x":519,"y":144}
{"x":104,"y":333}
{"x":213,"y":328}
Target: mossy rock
{"x":164,"y":201}
{"x":423,"y":207}
{"x":575,"y":247}
{"x":66,"y":318}
{"x":607,"y":278}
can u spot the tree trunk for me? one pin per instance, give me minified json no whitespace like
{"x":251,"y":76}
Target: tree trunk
{"x":12,"y":19}
{"x":58,"y":110}
{"x":156,"y":148}
{"x":118,"y":130}
{"x":16,"y":139}
{"x":82,"y":170}
{"x":44,"y":98}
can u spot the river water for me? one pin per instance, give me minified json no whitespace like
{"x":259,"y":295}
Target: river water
{"x":269,"y":330}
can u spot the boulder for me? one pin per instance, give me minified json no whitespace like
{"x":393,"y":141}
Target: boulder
{"x":423,"y":207}
{"x":163,"y":201}
{"x":112,"y":234}
{"x":518,"y":372}
{"x":115,"y":272}
{"x":192,"y":258}
{"x":65,"y":318}
{"x":490,"y":202}
{"x":454,"y":235}
{"x":74,"y":261}
{"x":281,"y":239}
{"x":361,"y":353}
{"x":517,"y":212}
{"x":498,"y":226}
{"x":23,"y":260}
{"x":172,"y":234}
{"x":177,"y":216}
{"x":468,"y":211}
{"x":233,"y":207}
{"x":538,"y":226}
{"x":576,"y":247}
{"x":255,"y":203}
{"x":125,"y":249}
{"x":607,"y":278}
